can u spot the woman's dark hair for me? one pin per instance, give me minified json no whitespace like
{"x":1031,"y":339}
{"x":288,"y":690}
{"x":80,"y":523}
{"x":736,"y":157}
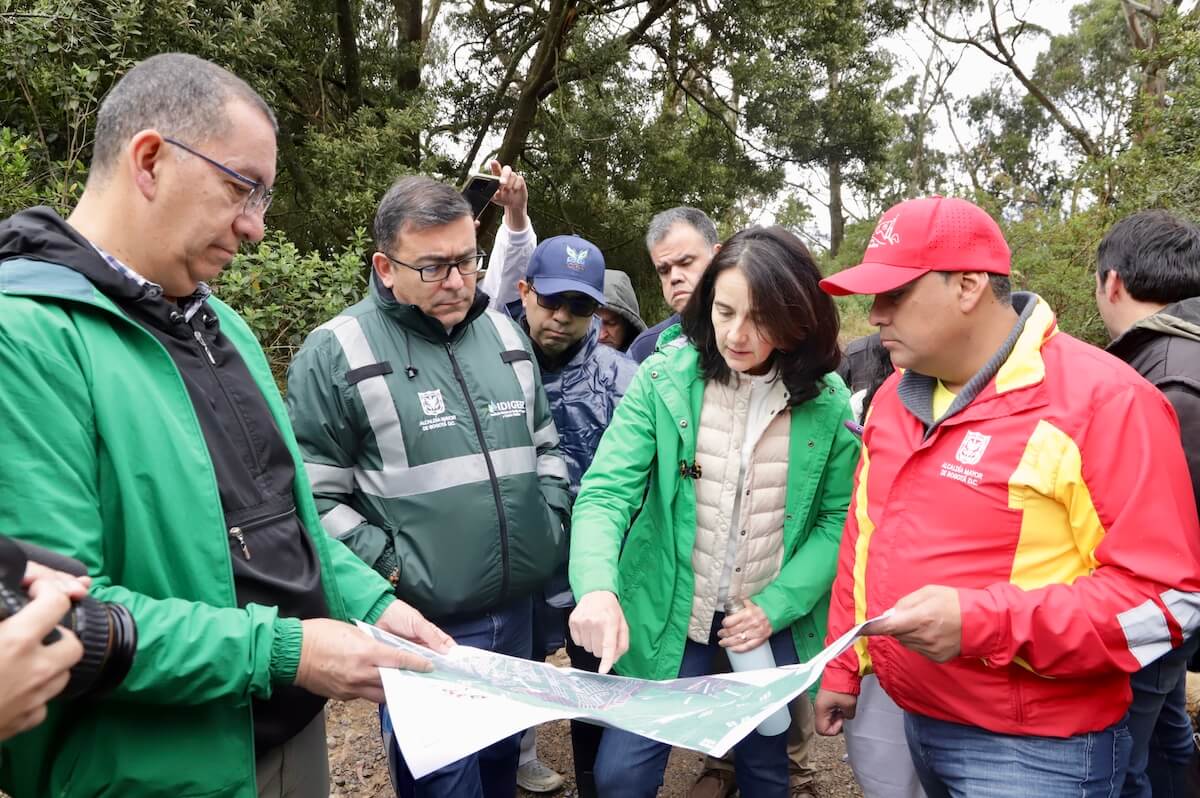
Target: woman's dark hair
{"x":879,"y":365}
{"x":789,"y":307}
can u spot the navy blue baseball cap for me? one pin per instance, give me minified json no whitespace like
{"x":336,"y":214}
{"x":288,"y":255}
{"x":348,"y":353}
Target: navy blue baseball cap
{"x":567,"y":263}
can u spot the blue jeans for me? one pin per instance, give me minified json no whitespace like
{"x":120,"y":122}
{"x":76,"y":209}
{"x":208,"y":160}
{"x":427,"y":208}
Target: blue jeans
{"x":957,"y":761}
{"x":1161,"y":728}
{"x":492,"y":772}
{"x":628,"y":765}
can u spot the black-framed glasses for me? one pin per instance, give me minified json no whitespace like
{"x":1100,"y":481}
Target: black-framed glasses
{"x":578,"y":305}
{"x":440,"y":271}
{"x":259,"y":197}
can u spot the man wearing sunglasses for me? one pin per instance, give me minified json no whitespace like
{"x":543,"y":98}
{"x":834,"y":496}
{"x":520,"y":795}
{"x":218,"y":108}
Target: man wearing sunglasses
{"x":431,"y":450}
{"x":562,"y":290}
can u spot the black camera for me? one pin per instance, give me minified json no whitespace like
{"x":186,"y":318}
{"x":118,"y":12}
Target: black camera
{"x":106,"y":630}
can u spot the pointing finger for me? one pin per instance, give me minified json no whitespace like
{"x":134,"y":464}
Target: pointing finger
{"x":608,"y":648}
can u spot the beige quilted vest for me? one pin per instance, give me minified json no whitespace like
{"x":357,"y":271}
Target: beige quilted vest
{"x":759,"y":529}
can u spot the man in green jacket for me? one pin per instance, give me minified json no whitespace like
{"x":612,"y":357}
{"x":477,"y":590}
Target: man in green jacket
{"x":144,"y":436}
{"x":430,"y":445}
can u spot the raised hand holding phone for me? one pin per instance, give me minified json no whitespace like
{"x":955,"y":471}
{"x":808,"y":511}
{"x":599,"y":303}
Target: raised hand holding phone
{"x":512,"y":195}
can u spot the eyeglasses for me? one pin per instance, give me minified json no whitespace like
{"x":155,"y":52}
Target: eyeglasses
{"x":440,"y":271}
{"x":259,"y":197}
{"x":576,"y":305}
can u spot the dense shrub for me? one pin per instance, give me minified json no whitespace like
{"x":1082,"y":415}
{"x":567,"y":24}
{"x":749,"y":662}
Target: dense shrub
{"x":284,"y":294}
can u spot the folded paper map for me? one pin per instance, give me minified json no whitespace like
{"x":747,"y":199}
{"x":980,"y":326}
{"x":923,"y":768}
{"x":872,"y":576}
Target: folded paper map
{"x":473,"y":698}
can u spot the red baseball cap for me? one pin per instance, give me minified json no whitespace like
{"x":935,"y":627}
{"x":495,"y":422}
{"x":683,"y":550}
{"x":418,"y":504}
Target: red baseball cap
{"x":918,"y":236}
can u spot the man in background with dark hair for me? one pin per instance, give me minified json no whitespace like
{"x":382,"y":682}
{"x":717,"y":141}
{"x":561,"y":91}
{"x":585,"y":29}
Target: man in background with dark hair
{"x":1148,"y":295}
{"x":561,"y":292}
{"x":145,"y":437}
{"x":620,"y":318}
{"x":431,"y":449}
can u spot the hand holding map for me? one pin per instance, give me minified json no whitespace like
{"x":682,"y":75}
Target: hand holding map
{"x":473,"y":698}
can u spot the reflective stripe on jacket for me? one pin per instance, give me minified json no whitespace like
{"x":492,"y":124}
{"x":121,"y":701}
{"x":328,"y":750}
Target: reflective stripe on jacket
{"x":1057,"y":502}
{"x":440,"y":443}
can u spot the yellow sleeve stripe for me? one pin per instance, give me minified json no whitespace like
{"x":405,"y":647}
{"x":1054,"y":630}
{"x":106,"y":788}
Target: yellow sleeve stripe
{"x":862,"y":545}
{"x":1060,"y":528}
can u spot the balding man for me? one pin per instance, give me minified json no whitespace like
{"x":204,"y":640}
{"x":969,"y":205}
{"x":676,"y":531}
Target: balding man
{"x":144,"y":436}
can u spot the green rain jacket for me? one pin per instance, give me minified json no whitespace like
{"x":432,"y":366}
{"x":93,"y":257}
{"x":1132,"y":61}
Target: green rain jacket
{"x":433,"y":452}
{"x":106,"y":463}
{"x":634,"y":523}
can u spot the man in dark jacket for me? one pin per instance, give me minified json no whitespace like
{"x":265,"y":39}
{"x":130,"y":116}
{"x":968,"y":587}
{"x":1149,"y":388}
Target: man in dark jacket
{"x":620,"y":318}
{"x":145,"y":437}
{"x":1148,"y":294}
{"x":682,"y":242}
{"x":562,"y":291}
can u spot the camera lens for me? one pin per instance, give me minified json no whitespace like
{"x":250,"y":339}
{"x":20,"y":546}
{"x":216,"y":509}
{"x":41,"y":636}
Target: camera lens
{"x":109,"y":639}
{"x":106,"y":631}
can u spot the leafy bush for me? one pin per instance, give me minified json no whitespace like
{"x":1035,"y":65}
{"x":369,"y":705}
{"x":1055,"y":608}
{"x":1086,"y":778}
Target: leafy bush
{"x":284,"y":294}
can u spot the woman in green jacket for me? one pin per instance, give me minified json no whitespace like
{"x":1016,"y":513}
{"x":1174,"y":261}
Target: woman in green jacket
{"x":724,"y":479}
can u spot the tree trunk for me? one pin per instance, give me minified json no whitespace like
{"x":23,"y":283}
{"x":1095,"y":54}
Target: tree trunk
{"x":348,"y":42}
{"x":541,"y":71}
{"x":408,"y":68}
{"x":837,"y":219}
{"x":546,"y":74}
{"x":1141,"y":20}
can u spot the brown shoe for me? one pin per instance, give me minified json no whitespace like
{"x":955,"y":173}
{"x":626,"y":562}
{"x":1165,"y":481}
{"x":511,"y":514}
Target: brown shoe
{"x":714,"y":783}
{"x":806,"y":790}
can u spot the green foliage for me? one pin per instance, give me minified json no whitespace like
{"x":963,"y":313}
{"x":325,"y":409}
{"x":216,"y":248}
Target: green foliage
{"x":284,"y":294}
{"x":1052,"y":257}
{"x":711,"y":105}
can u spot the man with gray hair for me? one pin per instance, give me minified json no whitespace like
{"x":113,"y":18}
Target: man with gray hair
{"x":144,"y":436}
{"x":682,"y":242}
{"x":431,"y":449}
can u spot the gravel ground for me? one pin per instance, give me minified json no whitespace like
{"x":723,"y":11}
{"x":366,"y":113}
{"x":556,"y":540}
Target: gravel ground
{"x":358,"y":767}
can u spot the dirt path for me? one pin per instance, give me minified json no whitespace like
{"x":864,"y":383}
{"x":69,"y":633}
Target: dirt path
{"x":359,"y":769}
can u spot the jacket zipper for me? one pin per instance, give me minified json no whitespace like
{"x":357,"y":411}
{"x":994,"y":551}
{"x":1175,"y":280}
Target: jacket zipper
{"x":238,"y":533}
{"x":487,"y":458}
{"x":212,"y":366}
{"x":110,"y":308}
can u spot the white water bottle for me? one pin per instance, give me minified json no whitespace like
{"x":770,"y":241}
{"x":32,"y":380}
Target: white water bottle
{"x":753,"y":660}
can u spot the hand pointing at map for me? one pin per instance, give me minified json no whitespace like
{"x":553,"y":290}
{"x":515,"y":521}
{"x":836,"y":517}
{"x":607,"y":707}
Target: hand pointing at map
{"x":598,"y":625}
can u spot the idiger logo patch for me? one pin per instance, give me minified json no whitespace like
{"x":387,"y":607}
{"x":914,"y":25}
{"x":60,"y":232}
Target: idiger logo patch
{"x":512,"y":408}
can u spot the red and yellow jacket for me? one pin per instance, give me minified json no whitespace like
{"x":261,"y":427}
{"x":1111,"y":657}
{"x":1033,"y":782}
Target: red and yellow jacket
{"x":1058,"y":503}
